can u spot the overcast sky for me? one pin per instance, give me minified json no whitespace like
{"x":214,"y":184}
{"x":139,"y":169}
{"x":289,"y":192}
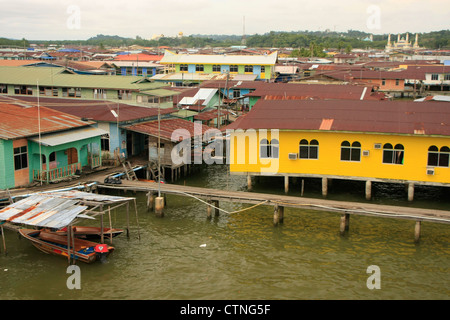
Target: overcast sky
{"x":82,"y":19}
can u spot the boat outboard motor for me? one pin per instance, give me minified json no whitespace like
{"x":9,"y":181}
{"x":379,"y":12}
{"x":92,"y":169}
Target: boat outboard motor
{"x":102,"y":252}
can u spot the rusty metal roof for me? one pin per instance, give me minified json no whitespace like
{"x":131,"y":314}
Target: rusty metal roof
{"x":396,"y":117}
{"x":20,"y":122}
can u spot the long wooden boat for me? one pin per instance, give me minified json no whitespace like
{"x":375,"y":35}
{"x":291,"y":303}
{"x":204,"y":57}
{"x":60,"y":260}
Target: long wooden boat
{"x":90,"y":233}
{"x":52,"y":243}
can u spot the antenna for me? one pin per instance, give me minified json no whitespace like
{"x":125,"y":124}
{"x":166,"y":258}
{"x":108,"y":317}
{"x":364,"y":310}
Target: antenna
{"x":244,"y":41}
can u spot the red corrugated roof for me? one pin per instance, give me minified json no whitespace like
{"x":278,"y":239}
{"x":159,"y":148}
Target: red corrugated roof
{"x":397,"y":117}
{"x":138,"y":57}
{"x":291,"y":91}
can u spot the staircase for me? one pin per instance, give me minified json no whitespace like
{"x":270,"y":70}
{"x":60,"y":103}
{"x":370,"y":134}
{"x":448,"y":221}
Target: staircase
{"x":155,"y":172}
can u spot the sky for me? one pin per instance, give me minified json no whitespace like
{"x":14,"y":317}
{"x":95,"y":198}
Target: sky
{"x":82,"y":19}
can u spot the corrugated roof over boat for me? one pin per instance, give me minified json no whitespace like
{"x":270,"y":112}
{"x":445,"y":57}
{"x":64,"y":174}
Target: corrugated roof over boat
{"x":396,"y":117}
{"x":55,"y":209}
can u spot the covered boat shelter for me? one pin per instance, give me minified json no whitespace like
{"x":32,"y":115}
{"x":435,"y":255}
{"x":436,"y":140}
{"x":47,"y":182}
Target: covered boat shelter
{"x":60,"y":209}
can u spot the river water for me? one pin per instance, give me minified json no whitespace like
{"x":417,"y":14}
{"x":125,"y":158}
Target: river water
{"x":239,"y":256}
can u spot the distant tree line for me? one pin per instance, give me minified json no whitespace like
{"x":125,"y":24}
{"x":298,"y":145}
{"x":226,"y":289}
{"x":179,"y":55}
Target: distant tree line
{"x":305,"y":43}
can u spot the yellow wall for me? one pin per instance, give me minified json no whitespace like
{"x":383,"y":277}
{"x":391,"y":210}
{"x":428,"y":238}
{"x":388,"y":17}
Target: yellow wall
{"x":329,"y":163}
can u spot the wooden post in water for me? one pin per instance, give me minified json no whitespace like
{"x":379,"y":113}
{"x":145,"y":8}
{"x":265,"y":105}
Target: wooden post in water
{"x":368,"y":190}
{"x":209,"y":210}
{"x":276,"y":215}
{"x":345,"y":220}
{"x":303,"y":187}
{"x":128,"y":219}
{"x":417,"y":231}
{"x":281,"y":214}
{"x":3,"y":238}
{"x":216,"y":209}
{"x":150,"y":200}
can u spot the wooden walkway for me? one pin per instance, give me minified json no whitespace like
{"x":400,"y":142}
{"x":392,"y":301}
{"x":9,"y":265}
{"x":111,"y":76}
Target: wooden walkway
{"x":212,"y":197}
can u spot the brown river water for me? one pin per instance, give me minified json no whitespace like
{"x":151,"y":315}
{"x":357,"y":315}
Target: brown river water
{"x":243,"y":256}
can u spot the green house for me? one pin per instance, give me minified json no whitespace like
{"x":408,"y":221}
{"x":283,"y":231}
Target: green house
{"x":38,"y":144}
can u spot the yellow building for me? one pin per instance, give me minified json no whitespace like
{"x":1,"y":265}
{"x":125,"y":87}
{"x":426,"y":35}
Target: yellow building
{"x":373,"y":141}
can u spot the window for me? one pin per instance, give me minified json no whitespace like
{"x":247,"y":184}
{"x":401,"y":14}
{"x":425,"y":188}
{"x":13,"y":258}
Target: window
{"x":393,"y":155}
{"x":71,"y":92}
{"x":99,"y":93}
{"x":216,"y":68}
{"x":20,"y":158}
{"x":263,"y":69}
{"x":269,"y":149}
{"x":383,"y":82}
{"x":104,"y":142}
{"x":183,"y":67}
{"x":397,"y":82}
{"x":438,"y":158}
{"x":350,"y":152}
{"x":434,"y":76}
{"x":447,"y":77}
{"x":248,"y":69}
{"x":27,"y":90}
{"x":48,"y":91}
{"x":3,"y":88}
{"x":236,"y":93}
{"x":199,"y":67}
{"x":234,"y":68}
{"x":124,"y":94}
{"x":309,"y":150}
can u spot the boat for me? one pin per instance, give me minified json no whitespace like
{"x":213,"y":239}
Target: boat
{"x":90,"y":233}
{"x":52,"y":243}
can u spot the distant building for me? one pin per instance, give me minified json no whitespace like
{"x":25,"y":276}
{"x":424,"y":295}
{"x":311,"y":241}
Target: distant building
{"x":402,"y":43}
{"x":261,"y":67}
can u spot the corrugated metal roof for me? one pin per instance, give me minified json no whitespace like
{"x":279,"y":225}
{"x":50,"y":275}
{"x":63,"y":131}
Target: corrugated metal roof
{"x":20,"y":122}
{"x":56,"y":139}
{"x":52,"y":209}
{"x":395,"y":117}
{"x":57,"y":77}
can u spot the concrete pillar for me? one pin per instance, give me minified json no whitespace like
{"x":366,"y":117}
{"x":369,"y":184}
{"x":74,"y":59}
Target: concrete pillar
{"x":324,"y":187}
{"x":410,"y":191}
{"x":159,"y":206}
{"x":417,"y":231}
{"x":286,"y":184}
{"x":368,"y":190}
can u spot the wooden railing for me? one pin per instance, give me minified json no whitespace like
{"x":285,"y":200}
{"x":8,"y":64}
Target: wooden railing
{"x":57,"y":173}
{"x":94,"y":161}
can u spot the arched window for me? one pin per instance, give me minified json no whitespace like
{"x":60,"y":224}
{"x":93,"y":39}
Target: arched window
{"x":438,"y":157}
{"x":393,"y":155}
{"x":269,"y":149}
{"x":264,"y":149}
{"x":350,"y":152}
{"x":308,"y":150}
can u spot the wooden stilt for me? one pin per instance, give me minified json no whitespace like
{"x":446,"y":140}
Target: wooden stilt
{"x":417,"y":231}
{"x":110,"y":225}
{"x":216,"y":210}
{"x":303,"y":187}
{"x":209,"y":210}
{"x":344,"y":225}
{"x":249,"y":182}
{"x":281,"y":213}
{"x":128,"y":219}
{"x":102,"y":236}
{"x":137,"y":220}
{"x":276,"y":215}
{"x":3,"y":239}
